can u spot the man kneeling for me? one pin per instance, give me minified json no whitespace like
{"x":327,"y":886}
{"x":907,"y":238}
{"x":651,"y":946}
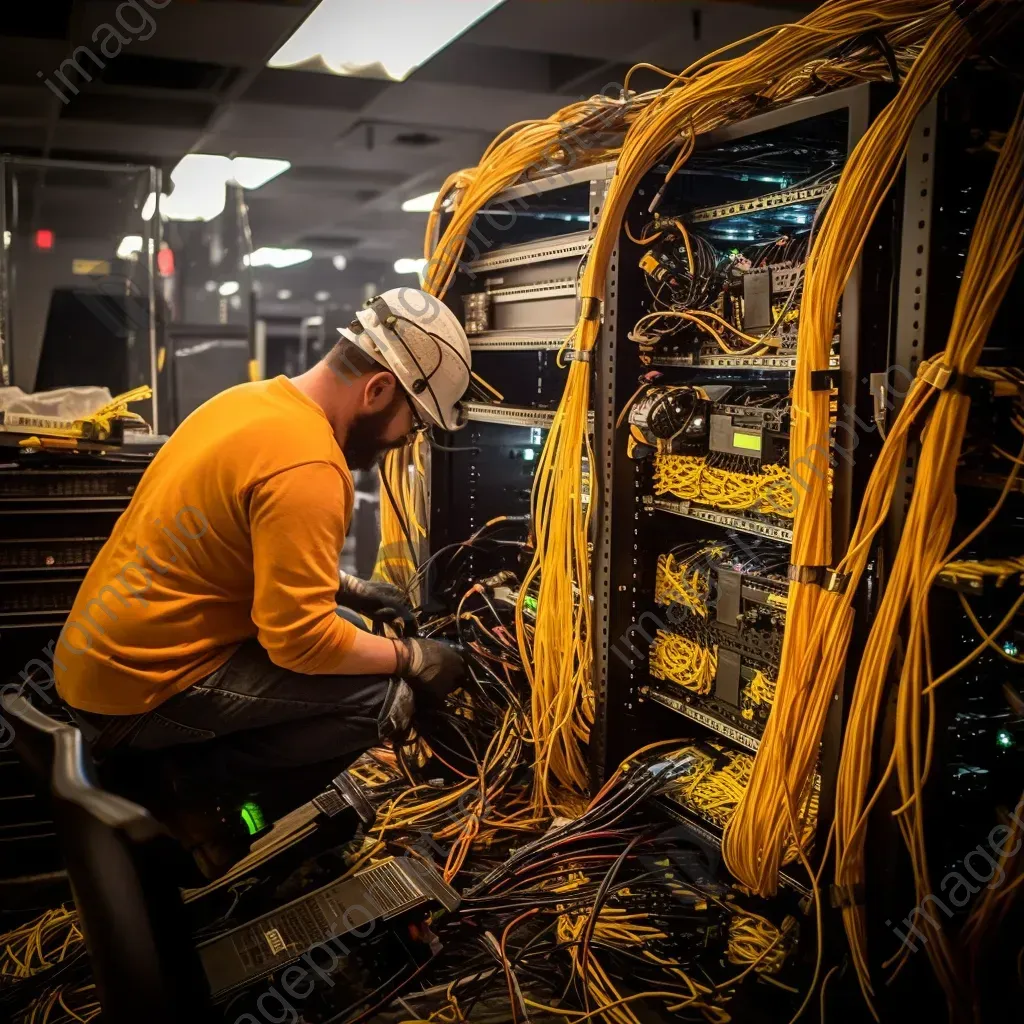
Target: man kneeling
{"x":206,"y":628}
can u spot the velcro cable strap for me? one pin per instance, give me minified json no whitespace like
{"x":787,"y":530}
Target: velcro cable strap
{"x":590,"y":307}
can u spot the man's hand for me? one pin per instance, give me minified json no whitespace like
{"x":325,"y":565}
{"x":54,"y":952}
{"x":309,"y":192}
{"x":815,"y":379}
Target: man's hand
{"x":372,"y":597}
{"x":431,"y":667}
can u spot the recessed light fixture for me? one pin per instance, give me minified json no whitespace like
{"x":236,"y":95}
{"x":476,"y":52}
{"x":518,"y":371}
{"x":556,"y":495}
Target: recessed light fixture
{"x":386,"y":39}
{"x":315,"y":321}
{"x":210,"y":286}
{"x":269,"y":256}
{"x":410,"y":266}
{"x":228,"y":288}
{"x":322,"y":296}
{"x":284,"y":295}
{"x":420,"y":204}
{"x":339,"y":261}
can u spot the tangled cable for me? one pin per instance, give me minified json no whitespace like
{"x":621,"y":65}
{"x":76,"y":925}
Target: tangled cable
{"x":698,"y":478}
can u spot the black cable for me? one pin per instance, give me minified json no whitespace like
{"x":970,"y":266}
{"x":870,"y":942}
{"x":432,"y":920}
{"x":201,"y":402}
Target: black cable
{"x":437,"y":446}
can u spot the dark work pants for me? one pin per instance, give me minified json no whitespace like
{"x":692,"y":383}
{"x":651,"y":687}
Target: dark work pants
{"x":252,"y":726}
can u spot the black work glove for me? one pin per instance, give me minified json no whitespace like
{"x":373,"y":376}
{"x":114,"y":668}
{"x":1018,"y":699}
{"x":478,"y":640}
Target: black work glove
{"x":372,"y":597}
{"x":432,"y":668}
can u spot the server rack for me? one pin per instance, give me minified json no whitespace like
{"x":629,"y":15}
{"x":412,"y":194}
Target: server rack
{"x":634,"y":708}
{"x":526,"y":252}
{"x":56,"y":512}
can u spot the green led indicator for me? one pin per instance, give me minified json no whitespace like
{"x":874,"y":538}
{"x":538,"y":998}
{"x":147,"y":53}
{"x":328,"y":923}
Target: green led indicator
{"x":530,"y":603}
{"x":252,"y":817}
{"x":1004,"y":739}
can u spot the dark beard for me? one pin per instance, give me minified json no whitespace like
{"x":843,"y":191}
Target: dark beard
{"x":364,"y":443}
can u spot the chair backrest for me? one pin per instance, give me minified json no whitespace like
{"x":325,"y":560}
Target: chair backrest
{"x":136,"y":930}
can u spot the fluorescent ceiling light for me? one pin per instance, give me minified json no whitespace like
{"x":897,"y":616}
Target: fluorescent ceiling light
{"x":269,"y":256}
{"x":130,"y":245}
{"x":255,"y":171}
{"x":420,"y":204}
{"x":228,"y":288}
{"x":339,"y":261}
{"x":410,"y":266}
{"x":199,"y":181}
{"x":384,"y":39}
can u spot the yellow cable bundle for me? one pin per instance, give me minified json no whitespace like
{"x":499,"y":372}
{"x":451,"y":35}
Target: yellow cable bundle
{"x":689,"y":477}
{"x":40,"y":943}
{"x":762,"y":689}
{"x":818,"y":622}
{"x":1001,"y":570}
{"x":676,"y":583}
{"x":753,"y":939}
{"x":678,"y":475}
{"x":683,"y":661}
{"x":405,"y":471}
{"x":992,"y":259}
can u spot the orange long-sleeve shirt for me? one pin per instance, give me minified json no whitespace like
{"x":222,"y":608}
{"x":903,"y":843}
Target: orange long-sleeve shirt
{"x":234,"y":532}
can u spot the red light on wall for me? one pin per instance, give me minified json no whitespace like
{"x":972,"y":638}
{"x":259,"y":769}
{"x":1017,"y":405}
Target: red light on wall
{"x":44,"y":239}
{"x":165,"y":262}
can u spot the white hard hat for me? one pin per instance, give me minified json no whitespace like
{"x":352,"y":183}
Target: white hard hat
{"x":421,"y":341}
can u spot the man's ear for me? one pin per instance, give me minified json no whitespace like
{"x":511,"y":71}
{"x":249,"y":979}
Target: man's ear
{"x":379,"y":391}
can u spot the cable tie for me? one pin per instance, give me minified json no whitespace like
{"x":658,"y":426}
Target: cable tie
{"x":577,"y":355}
{"x":822,"y":380}
{"x":590,"y":307}
{"x":938,"y":375}
{"x":806,"y":573}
